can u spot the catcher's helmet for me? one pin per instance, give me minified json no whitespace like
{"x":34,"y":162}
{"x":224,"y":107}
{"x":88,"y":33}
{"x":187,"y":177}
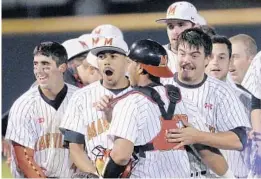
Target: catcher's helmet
{"x":152,"y":56}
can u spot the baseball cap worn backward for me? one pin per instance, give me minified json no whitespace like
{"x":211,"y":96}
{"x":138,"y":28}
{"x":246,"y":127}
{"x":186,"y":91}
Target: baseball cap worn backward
{"x":152,"y":56}
{"x":92,"y":60}
{"x":88,"y":39}
{"x":181,"y":10}
{"x":116,"y":44}
{"x":107,"y":30}
{"x":75,"y":47}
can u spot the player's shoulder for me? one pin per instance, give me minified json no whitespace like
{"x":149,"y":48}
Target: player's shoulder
{"x":216,"y":83}
{"x":137,"y":97}
{"x":87,"y":89}
{"x":71,"y":88}
{"x":28,"y":97}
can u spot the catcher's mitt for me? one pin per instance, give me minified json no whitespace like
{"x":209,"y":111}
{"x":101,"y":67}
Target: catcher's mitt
{"x":84,"y":175}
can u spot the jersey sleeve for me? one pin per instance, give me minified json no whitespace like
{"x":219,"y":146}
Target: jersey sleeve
{"x":124,"y":122}
{"x":73,"y":118}
{"x":19,"y":128}
{"x":252,"y":79}
{"x":231,"y":113}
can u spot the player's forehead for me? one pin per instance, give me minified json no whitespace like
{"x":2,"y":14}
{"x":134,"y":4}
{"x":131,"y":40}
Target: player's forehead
{"x":220,"y":49}
{"x":43,"y":58}
{"x":189,"y":48}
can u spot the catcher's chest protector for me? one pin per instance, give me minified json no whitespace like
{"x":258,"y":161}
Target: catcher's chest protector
{"x":168,"y":119}
{"x":160,"y":142}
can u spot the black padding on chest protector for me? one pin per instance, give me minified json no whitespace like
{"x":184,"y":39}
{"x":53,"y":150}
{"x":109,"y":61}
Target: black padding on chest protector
{"x":173,"y":94}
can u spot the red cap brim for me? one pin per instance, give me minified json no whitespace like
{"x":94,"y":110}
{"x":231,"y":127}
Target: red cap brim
{"x":158,"y":71}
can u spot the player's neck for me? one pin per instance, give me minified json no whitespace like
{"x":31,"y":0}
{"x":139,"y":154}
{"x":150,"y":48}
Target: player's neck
{"x":144,"y":81}
{"x":51,"y":93}
{"x":173,"y":49}
{"x":195,"y":82}
{"x":122,"y":83}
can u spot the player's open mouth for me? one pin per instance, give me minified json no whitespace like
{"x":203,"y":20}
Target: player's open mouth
{"x":42,"y":78}
{"x":108,"y":71}
{"x":187,"y":68}
{"x":215,"y":70}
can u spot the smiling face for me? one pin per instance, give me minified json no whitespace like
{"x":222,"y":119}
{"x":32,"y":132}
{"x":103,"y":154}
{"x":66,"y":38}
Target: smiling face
{"x":219,"y":62}
{"x":112,"y":67}
{"x":46,"y":71}
{"x":191,"y":63}
{"x":175,"y":28}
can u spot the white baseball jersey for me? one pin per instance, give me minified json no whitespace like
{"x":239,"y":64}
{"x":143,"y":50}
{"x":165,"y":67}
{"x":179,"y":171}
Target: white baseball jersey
{"x":243,"y":96}
{"x":241,"y":158}
{"x":82,"y":117}
{"x":137,"y":119}
{"x":34,"y":123}
{"x":252,"y":79}
{"x":220,"y":107}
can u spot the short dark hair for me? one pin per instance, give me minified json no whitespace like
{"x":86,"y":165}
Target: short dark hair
{"x":219,"y":39}
{"x":208,"y":30}
{"x":52,"y":49}
{"x":195,"y":37}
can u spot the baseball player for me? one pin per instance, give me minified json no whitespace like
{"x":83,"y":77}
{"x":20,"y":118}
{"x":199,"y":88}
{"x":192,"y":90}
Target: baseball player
{"x":34,"y":119}
{"x":252,"y":83}
{"x":218,"y":68}
{"x":141,"y":129}
{"x":244,"y":49}
{"x":180,"y":16}
{"x":77,"y":51}
{"x":84,"y":124}
{"x":88,"y":71}
{"x":224,"y":113}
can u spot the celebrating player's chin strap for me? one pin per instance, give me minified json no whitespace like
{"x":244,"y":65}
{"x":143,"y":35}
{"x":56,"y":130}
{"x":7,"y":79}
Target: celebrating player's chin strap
{"x":107,"y":167}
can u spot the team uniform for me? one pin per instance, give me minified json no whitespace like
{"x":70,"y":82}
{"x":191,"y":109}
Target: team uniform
{"x":252,"y":79}
{"x":137,"y":119}
{"x":83,"y":118}
{"x":34,"y":123}
{"x":221,"y":109}
{"x":252,"y":82}
{"x":243,"y":95}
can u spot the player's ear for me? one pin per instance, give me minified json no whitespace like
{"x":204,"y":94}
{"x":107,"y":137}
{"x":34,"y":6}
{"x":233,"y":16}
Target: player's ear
{"x":62,"y":68}
{"x":139,"y":69}
{"x":207,"y":59}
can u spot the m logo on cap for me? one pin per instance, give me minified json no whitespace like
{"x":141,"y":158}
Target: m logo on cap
{"x":97,"y":31}
{"x":84,"y":45}
{"x":104,"y":42}
{"x":108,"y":41}
{"x":171,"y":10}
{"x":95,"y":41}
{"x":163,"y":60}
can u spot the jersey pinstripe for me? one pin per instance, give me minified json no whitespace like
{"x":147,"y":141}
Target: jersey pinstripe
{"x":136,"y":118}
{"x":243,"y":96}
{"x":252,"y":79}
{"x":34,"y":123}
{"x":220,"y":107}
{"x":239,"y":165}
{"x":82,"y":117}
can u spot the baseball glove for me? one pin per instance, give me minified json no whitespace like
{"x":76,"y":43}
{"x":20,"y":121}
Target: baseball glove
{"x":84,"y":175}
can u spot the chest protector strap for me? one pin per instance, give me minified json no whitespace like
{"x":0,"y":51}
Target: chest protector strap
{"x":167,"y":119}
